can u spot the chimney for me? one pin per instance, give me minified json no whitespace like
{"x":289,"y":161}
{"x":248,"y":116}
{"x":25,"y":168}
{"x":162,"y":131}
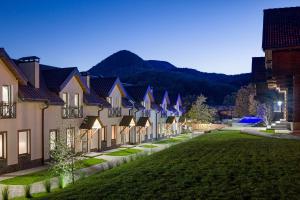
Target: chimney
{"x":86,"y":78}
{"x":31,"y":68}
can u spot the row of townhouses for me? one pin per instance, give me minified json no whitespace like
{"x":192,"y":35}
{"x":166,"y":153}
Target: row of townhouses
{"x":40,"y":104}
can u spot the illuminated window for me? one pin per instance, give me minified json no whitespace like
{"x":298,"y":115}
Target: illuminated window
{"x":103,"y":134}
{"x":65,"y":99}
{"x":53,"y":139}
{"x":113,"y":132}
{"x":76,"y":100}
{"x":2,"y":145}
{"x":24,"y":142}
{"x":6,"y":93}
{"x":70,"y":137}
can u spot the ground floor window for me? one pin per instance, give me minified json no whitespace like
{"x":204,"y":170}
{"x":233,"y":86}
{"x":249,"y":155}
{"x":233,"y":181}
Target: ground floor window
{"x":103,"y":134}
{"x":113,"y":132}
{"x":70,"y":137}
{"x":53,"y":139}
{"x":2,"y":145}
{"x":24,"y":142}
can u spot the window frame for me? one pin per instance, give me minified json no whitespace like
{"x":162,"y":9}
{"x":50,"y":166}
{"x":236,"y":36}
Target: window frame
{"x":103,"y":134}
{"x":28,"y":144}
{"x":76,"y":98}
{"x":56,"y":138}
{"x":9,"y":90}
{"x":114,"y":132}
{"x":3,"y":134}
{"x":73,"y":142}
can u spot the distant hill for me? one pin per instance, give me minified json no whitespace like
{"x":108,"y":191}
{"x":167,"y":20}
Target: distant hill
{"x":163,"y":75}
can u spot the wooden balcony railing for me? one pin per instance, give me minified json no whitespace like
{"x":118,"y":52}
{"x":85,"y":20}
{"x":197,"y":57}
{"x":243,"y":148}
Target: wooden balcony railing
{"x":8,"y":110}
{"x":115,"y":112}
{"x":71,"y":112}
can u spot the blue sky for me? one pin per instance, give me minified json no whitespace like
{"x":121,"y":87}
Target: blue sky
{"x":212,"y":36}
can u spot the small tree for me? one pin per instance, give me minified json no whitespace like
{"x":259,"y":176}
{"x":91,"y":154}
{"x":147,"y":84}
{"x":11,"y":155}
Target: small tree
{"x":201,"y":112}
{"x":264,"y":111}
{"x":63,"y":160}
{"x":245,"y":104}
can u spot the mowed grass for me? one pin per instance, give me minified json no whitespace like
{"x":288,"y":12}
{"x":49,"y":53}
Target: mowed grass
{"x":269,"y":131}
{"x":219,"y":165}
{"x":46,"y":174}
{"x":150,"y":146}
{"x":124,"y":152}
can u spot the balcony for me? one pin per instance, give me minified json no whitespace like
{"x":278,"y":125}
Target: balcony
{"x":71,"y":112}
{"x":146,"y":113}
{"x":115,"y":112}
{"x":164,"y":114}
{"x":8,"y":110}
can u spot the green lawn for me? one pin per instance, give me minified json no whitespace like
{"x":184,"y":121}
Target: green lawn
{"x":46,"y":174}
{"x":170,"y":140}
{"x":218,"y":165}
{"x":149,"y":146}
{"x":270,"y":131}
{"x":124,"y":152}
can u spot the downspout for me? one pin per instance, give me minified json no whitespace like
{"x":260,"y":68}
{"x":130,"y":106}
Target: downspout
{"x":99,"y":138}
{"x":43,"y":132}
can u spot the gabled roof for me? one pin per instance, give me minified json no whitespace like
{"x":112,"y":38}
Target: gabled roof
{"x":174,"y":99}
{"x":104,"y":86}
{"x":143,"y":122}
{"x":171,"y":120}
{"x":57,"y":78}
{"x":90,"y":121}
{"x":281,"y":28}
{"x":13,"y":67}
{"x":160,"y":95}
{"x":138,"y":93}
{"x":127,"y":120}
{"x":29,"y":93}
{"x":93,"y":99}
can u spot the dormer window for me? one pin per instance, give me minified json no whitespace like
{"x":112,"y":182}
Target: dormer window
{"x":109,"y":100}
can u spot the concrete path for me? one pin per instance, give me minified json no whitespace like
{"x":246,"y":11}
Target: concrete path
{"x":276,"y":135}
{"x":111,"y":161}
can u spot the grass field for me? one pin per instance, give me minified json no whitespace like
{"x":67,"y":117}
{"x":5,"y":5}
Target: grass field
{"x":219,"y":165}
{"x":124,"y":152}
{"x":46,"y":174}
{"x":269,"y":131}
{"x":150,"y":146}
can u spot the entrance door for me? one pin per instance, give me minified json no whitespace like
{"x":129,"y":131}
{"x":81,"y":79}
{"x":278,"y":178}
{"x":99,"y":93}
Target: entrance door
{"x":84,"y":141}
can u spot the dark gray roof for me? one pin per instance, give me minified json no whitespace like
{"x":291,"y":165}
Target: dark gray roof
{"x":281,"y":28}
{"x":93,"y":99}
{"x":125,"y":121}
{"x":89,"y":121}
{"x":142,"y":121}
{"x":102,"y":86}
{"x":171,"y":120}
{"x":137,"y":92}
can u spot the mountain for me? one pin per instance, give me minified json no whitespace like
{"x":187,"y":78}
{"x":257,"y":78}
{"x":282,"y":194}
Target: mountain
{"x":163,"y":75}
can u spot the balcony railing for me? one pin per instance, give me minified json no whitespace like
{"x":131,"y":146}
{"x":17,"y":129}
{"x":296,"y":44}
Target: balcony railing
{"x":8,"y":110}
{"x":146,"y":113}
{"x":71,"y":112}
{"x":164,"y":114}
{"x":115,"y":112}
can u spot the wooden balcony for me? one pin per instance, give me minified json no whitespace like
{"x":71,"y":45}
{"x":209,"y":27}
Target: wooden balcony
{"x":71,"y":112}
{"x":8,"y":110}
{"x":115,"y":112}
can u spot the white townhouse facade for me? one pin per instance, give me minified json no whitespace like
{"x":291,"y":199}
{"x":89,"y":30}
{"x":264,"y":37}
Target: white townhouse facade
{"x":41,"y":104}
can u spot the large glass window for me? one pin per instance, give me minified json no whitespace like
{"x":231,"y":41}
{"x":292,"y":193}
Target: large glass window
{"x":24,"y":142}
{"x":2,"y":145}
{"x":70,"y":137}
{"x":113,"y":132}
{"x":66,"y":99}
{"x":53,"y":139}
{"x":103,"y":134}
{"x":76,"y":100}
{"x":6,"y":93}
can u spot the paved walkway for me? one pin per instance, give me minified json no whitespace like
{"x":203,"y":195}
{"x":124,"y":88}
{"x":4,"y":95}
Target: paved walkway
{"x":276,"y":135}
{"x":111,"y":161}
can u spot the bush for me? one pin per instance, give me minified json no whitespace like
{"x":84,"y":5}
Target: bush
{"x":5,"y":193}
{"x":61,"y":181}
{"x":27,"y":191}
{"x":47,"y":185}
